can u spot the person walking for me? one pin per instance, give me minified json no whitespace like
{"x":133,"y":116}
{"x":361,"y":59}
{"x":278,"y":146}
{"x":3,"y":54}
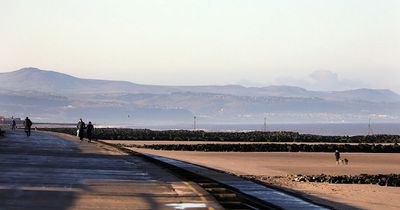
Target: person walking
{"x":13,"y":125}
{"x":337,"y":157}
{"x":28,"y":125}
{"x":89,"y":131}
{"x":81,"y":129}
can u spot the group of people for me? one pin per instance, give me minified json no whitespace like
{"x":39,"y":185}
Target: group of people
{"x":27,"y":125}
{"x":80,"y":132}
{"x":81,"y":126}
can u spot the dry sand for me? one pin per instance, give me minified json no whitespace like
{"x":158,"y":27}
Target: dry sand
{"x":288,"y":163}
{"x":340,"y":196}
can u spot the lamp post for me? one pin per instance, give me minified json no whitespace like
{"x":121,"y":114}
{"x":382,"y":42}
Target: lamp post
{"x":265,"y":124}
{"x":194,"y":123}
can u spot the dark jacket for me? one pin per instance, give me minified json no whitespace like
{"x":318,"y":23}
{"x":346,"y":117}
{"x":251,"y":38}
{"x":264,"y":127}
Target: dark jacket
{"x":28,"y":123}
{"x":89,"y":128}
{"x":337,"y":155}
{"x":81,"y":126}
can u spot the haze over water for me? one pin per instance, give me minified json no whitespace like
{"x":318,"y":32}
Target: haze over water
{"x":331,"y":129}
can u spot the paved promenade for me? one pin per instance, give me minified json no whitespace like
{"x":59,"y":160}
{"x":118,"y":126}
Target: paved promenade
{"x":61,"y":172}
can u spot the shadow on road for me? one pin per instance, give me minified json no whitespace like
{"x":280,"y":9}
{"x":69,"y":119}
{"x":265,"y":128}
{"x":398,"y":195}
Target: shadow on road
{"x":47,"y":172}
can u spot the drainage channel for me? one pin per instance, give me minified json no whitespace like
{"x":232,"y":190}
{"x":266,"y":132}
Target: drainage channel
{"x":227,"y":198}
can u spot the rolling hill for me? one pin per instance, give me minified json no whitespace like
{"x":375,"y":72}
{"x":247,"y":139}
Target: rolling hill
{"x":53,"y":96}
{"x":28,"y":79}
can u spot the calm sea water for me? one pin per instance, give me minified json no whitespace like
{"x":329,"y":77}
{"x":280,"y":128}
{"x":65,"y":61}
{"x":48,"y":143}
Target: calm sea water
{"x":349,"y":129}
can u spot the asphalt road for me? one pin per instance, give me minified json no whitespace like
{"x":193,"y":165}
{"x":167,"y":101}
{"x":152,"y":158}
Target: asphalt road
{"x":60,"y":172}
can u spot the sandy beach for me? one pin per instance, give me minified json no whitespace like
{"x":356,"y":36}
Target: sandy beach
{"x":265,"y":166}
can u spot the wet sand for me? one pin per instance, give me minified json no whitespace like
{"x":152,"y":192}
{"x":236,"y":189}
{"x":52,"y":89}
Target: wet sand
{"x":263,"y":164}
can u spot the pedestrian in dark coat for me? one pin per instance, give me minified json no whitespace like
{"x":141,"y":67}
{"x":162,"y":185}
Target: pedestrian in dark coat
{"x":13,"y":125}
{"x":81,"y":129}
{"x":28,"y":125}
{"x":89,"y":131}
{"x":337,"y":156}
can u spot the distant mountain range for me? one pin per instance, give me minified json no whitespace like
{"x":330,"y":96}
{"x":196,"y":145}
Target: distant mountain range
{"x":53,"y":96}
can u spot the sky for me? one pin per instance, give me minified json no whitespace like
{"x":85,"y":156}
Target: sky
{"x":320,"y":45}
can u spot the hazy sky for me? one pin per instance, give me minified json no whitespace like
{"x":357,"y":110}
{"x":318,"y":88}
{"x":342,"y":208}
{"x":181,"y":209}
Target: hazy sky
{"x":319,"y":44}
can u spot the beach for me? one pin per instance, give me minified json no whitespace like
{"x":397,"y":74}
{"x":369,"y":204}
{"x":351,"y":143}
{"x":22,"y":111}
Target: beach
{"x":275,"y":167}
